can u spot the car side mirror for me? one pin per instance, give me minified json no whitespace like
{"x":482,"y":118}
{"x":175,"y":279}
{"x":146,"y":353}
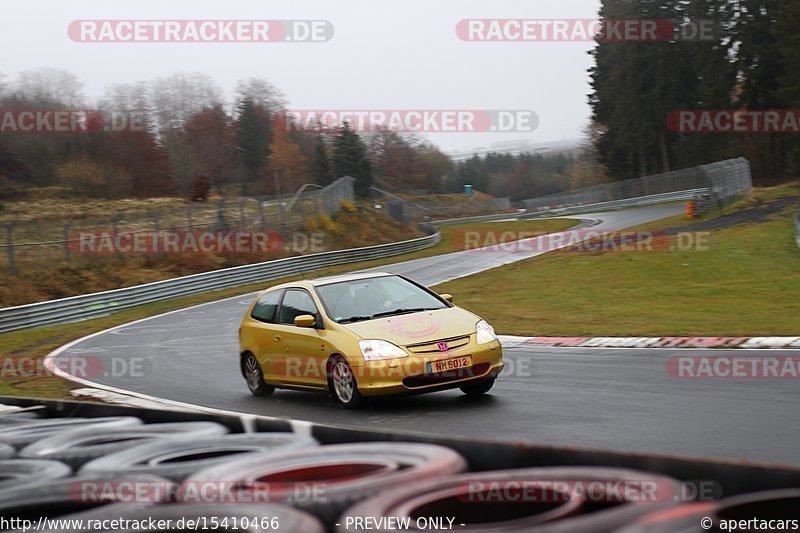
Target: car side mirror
{"x":447,"y":297}
{"x":305,"y":321}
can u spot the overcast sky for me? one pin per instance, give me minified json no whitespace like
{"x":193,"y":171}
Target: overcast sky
{"x":384,"y":55}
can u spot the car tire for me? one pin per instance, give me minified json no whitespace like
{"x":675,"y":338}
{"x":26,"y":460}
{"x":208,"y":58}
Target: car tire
{"x":15,"y":472}
{"x":328,"y":479}
{"x":681,"y":519}
{"x":7,"y":451}
{"x":254,"y":376}
{"x":477,"y":500}
{"x":54,"y":498}
{"x":343,"y":385}
{"x":477,"y":388}
{"x":177,"y":459}
{"x":79,"y":446}
{"x":18,"y":417}
{"x":21,"y":435}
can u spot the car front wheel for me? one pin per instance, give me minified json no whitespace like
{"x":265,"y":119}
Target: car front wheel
{"x":254,"y":377}
{"x":343,"y":384}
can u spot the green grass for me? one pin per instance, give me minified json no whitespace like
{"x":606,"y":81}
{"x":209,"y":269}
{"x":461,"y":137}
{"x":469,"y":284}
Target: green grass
{"x":34,"y":344}
{"x":747,"y":284}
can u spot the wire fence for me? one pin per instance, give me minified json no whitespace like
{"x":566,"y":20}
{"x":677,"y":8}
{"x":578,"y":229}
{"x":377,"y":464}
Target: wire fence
{"x":723,"y":181}
{"x":424,"y":209}
{"x":54,"y":237}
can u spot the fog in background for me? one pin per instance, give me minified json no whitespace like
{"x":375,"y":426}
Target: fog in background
{"x":384,"y":55}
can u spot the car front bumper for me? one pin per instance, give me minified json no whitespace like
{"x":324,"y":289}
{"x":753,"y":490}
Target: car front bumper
{"x":409,"y":374}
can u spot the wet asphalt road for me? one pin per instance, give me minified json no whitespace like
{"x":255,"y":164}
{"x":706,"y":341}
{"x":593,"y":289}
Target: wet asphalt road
{"x":609,"y":398}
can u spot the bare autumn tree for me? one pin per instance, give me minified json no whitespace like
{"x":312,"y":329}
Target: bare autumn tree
{"x":261,"y":92}
{"x":35,"y":156}
{"x":49,"y":86}
{"x":176,"y":98}
{"x":212,"y":142}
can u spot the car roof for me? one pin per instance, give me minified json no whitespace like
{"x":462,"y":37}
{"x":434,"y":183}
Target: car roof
{"x":347,"y":277}
{"x":316,"y":282}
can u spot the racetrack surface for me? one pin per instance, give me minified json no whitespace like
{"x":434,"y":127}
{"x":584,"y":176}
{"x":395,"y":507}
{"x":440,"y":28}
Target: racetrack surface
{"x":620,"y":399}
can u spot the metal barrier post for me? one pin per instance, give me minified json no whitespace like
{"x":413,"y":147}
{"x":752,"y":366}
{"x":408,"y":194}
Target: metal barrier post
{"x":10,"y":247}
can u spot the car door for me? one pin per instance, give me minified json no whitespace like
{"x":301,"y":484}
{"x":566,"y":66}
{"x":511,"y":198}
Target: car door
{"x":264,"y":337}
{"x":302,"y":361}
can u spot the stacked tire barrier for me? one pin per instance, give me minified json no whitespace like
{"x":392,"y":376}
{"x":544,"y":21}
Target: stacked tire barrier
{"x":80,"y":465}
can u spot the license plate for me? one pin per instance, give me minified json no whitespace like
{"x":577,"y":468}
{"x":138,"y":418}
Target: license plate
{"x":453,"y":363}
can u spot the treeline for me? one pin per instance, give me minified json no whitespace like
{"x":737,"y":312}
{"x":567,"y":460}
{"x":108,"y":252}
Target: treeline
{"x":528,"y":175}
{"x":187,"y":136}
{"x":751,"y":63}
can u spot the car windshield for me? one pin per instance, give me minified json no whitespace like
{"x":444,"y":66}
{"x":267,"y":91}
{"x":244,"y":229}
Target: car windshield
{"x":366,"y":299}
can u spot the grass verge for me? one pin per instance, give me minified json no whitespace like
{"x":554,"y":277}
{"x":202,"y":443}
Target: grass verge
{"x":747,"y":283}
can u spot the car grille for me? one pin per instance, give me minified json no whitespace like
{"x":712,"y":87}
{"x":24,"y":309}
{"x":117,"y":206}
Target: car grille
{"x":433,"y":346}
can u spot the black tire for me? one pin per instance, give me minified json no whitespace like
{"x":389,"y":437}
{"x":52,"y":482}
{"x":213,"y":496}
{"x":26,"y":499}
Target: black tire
{"x":59,"y":497}
{"x":20,"y":435}
{"x":343,"y":385}
{"x":767,"y":505}
{"x":254,"y":376}
{"x":477,"y":388}
{"x":18,"y":417}
{"x":16,"y":472}
{"x":179,"y":458}
{"x":7,"y":451}
{"x":257,"y":518}
{"x":339,"y":474}
{"x":554,"y":502}
{"x":80,"y":446}
{"x":683,"y":519}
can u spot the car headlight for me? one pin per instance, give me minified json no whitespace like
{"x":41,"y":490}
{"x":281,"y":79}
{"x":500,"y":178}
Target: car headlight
{"x":485,"y":332}
{"x":377,"y":350}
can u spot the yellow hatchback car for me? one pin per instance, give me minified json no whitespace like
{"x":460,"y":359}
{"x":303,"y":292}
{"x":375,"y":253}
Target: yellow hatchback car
{"x":364,"y":335}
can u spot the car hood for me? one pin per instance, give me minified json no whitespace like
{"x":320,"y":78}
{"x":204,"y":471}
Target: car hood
{"x":415,"y":328}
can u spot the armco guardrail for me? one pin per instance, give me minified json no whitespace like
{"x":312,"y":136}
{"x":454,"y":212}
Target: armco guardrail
{"x":578,"y":209}
{"x":652,"y":199}
{"x":98,"y":304}
{"x":723,"y":181}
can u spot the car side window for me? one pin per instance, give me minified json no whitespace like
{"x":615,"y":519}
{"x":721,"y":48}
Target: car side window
{"x":267,"y":305}
{"x":295,"y":303}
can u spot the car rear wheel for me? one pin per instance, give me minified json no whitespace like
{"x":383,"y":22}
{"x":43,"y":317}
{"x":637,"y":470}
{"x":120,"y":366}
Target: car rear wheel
{"x":343,"y":384}
{"x":477,"y":388}
{"x":254,"y":377}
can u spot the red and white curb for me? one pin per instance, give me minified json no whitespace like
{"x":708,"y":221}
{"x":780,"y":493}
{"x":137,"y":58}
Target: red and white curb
{"x":750,"y":343}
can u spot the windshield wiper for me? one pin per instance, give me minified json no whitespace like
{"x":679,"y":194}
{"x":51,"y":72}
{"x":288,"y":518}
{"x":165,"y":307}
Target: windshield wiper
{"x":403,"y":311}
{"x":354,"y":319}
